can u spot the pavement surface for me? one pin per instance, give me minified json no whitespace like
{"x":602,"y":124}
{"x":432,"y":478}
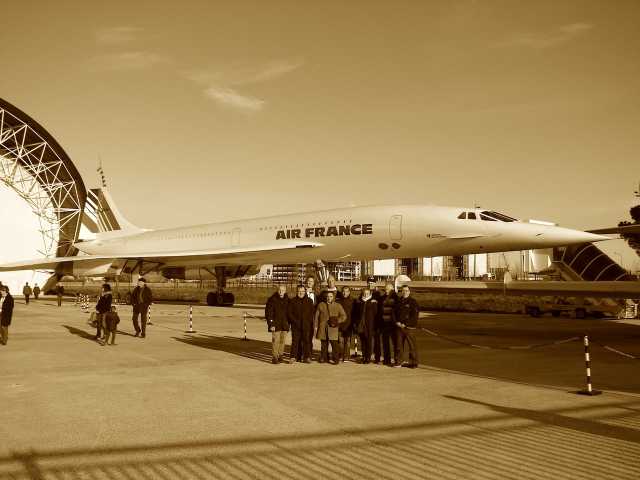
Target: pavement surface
{"x":210,"y":405}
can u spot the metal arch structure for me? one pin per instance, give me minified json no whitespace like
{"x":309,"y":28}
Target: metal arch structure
{"x":36,"y":167}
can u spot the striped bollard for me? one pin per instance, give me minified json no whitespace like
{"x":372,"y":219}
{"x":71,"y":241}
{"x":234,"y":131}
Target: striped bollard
{"x":587,"y":360}
{"x":245,"y":325}
{"x":191,"y":330}
{"x":149,"y":315}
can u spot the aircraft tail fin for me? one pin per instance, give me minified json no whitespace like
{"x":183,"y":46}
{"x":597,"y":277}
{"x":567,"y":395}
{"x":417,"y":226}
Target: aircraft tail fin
{"x":105,"y":216}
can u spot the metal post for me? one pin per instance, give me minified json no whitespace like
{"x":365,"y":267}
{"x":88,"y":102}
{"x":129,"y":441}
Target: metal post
{"x":356,"y":346}
{"x":191,"y":330}
{"x":587,"y":360}
{"x":245,"y":326}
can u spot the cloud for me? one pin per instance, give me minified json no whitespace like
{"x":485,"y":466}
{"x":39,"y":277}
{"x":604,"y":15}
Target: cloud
{"x":231,"y":98}
{"x":138,"y":60}
{"x":238,"y":75}
{"x":548,"y":39}
{"x":116,"y":35}
{"x":221,"y":83}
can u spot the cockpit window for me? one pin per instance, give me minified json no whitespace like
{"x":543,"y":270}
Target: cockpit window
{"x":471,"y":215}
{"x":484,"y":216}
{"x":500,"y":216}
{"x":462,"y":216}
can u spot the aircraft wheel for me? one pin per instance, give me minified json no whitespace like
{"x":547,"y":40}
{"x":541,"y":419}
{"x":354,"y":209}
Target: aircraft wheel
{"x":228,"y":299}
{"x":581,"y":313}
{"x":555,"y":313}
{"x":212,"y":299}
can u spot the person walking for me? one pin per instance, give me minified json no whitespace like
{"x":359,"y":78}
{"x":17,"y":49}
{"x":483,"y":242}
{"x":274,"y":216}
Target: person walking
{"x":59,"y":293}
{"x":346,"y":328}
{"x":300,"y":312}
{"x":329,"y":316}
{"x":407,"y":311}
{"x":366,"y":312}
{"x":36,"y":291}
{"x":26,"y":291}
{"x":141,"y":299}
{"x":102,"y":307}
{"x":6,"y":313}
{"x":276,"y":315}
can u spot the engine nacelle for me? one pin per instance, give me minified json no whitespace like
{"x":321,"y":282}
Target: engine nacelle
{"x":89,"y":268}
{"x":207,"y":273}
{"x":187,"y":273}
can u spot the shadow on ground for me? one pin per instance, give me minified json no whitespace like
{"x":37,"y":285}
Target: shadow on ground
{"x":499,"y":442}
{"x":253,"y":349}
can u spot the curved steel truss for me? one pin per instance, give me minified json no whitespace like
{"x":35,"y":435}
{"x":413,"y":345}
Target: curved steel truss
{"x":36,"y":167}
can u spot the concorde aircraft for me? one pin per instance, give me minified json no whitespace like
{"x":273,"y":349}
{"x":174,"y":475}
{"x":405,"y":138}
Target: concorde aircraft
{"x":237,"y":248}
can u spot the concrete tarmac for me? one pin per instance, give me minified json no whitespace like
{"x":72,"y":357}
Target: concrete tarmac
{"x":210,"y":405}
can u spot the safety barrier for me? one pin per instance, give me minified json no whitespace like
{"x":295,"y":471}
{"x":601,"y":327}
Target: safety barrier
{"x":514,"y":347}
{"x":149,"y":315}
{"x":589,"y":390}
{"x":587,"y":361}
{"x":245,"y":315}
{"x":191,"y":330}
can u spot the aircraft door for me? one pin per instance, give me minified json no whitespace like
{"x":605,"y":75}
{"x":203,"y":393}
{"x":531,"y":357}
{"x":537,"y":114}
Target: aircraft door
{"x":235,"y":237}
{"x":395,"y":227}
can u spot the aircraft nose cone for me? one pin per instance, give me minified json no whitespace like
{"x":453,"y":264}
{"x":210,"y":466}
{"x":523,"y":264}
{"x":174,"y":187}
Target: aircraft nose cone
{"x":565,"y":236}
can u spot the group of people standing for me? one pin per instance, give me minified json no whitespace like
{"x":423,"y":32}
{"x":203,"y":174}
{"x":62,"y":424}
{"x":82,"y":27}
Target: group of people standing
{"x":377,"y":321}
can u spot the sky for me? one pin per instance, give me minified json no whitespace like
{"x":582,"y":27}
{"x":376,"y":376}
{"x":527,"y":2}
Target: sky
{"x":218,"y":110}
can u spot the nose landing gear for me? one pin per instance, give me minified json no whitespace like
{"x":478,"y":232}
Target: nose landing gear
{"x":220,"y":298}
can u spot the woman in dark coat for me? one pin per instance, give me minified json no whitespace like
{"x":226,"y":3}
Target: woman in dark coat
{"x":103,"y":306}
{"x":6,"y":313}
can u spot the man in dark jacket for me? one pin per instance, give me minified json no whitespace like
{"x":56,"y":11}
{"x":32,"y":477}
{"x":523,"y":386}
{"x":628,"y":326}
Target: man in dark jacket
{"x":300,"y":313}
{"x":276,"y":314}
{"x":346,"y":329}
{"x":26,"y":291}
{"x":141,"y":299}
{"x":376,"y":335}
{"x":407,"y":310}
{"x":387,"y":324}
{"x":365,"y":315}
{"x":6,"y":313}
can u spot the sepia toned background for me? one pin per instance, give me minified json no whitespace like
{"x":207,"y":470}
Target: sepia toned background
{"x":207,"y":111}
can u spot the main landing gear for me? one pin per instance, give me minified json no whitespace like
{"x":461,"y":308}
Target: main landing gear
{"x":220,"y":298}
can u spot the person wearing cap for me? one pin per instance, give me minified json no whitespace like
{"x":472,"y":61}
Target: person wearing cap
{"x":141,"y":299}
{"x":407,"y":311}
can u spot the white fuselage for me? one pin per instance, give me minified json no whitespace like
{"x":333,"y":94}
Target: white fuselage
{"x":359,"y":233}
